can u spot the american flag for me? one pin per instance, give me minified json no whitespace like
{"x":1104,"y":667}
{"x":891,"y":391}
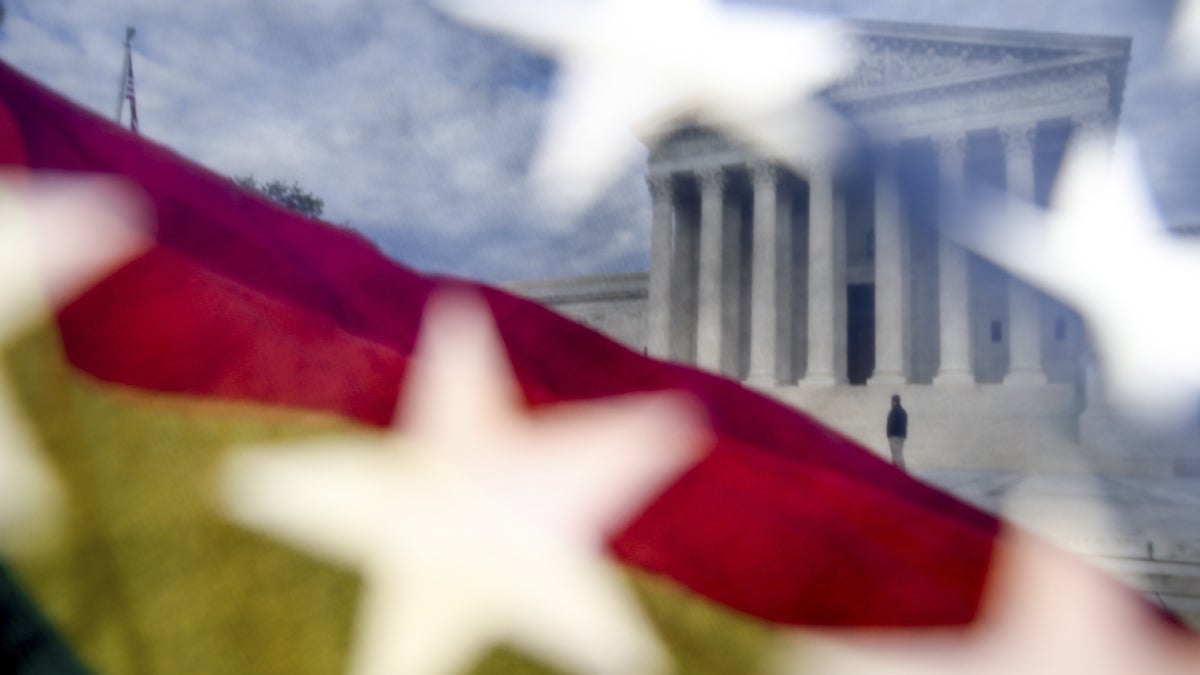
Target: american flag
{"x":129,"y":95}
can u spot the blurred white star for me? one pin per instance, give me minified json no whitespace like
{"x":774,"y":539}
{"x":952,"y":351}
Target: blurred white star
{"x":634,"y":66}
{"x":1102,"y":249}
{"x":481,"y":523}
{"x":1184,"y":38}
{"x":1044,"y":612}
{"x":57,"y":235}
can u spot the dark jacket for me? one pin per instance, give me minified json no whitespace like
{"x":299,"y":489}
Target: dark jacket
{"x":897,"y":423}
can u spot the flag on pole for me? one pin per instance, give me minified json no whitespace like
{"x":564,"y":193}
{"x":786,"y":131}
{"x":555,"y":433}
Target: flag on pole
{"x":245,"y":322}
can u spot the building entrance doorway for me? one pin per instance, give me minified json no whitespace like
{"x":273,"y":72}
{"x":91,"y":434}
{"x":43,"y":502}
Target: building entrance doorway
{"x":860,"y":332}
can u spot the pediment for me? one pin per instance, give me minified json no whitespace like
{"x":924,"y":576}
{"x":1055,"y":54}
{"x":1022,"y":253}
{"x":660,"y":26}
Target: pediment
{"x":693,"y":139}
{"x":895,"y":56}
{"x":915,"y":79}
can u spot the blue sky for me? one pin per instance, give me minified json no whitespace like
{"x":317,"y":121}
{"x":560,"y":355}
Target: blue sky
{"x":418,"y":132}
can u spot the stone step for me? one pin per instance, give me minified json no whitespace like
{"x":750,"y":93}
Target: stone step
{"x":984,"y":427}
{"x":1180,"y":580}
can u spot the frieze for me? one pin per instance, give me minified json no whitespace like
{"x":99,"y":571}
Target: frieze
{"x":1001,"y":93}
{"x":1030,"y":94}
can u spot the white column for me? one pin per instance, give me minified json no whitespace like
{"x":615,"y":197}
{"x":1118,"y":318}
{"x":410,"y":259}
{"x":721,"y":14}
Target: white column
{"x":1025,"y":337}
{"x":786,"y":230}
{"x":891,"y":270}
{"x":712,"y":240}
{"x":826,"y":280}
{"x":766,"y":282}
{"x":955,"y":365}
{"x":658,"y":338}
{"x":731,"y":287}
{"x":684,"y":279}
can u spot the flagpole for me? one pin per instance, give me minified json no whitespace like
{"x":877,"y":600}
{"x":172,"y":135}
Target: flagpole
{"x":124,"y":72}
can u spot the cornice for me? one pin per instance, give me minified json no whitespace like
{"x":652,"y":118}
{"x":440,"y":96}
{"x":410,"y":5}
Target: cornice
{"x":997,"y":37}
{"x":916,"y":75}
{"x":613,"y":287}
{"x":1075,"y":78}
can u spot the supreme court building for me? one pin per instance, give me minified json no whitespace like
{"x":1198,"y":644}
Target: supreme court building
{"x":830,"y":287}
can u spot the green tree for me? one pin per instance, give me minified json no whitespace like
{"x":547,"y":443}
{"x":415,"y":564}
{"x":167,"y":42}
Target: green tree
{"x":291,"y":196}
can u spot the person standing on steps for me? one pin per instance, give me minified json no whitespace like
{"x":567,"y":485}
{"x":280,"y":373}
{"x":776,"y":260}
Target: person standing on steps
{"x":897,"y":430}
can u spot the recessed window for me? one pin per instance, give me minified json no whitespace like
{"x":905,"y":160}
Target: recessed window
{"x":997,"y":330}
{"x":1060,"y":329}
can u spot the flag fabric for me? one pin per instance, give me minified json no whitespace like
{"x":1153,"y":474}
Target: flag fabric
{"x":28,"y":644}
{"x":246,"y":322}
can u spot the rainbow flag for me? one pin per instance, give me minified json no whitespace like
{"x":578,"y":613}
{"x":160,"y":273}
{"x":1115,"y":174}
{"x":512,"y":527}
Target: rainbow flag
{"x":244,"y":322}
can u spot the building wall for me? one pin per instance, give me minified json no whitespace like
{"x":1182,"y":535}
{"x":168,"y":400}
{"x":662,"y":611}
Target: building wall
{"x":614,"y":305}
{"x":990,"y":325}
{"x":954,"y":94}
{"x":621,"y":320}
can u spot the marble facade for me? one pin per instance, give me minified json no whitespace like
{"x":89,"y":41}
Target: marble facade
{"x":829,"y":286}
{"x":776,"y":275}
